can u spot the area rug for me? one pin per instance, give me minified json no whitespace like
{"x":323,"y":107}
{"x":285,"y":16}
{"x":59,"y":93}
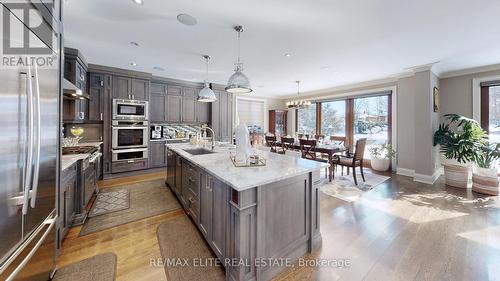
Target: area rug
{"x":343,"y":187}
{"x":97,"y":268}
{"x":109,"y":202}
{"x":147,"y":199}
{"x":179,"y":239}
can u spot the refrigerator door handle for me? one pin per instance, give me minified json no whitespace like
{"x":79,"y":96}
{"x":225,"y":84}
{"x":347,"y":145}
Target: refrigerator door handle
{"x":36,"y":128}
{"x":50,"y":222}
{"x":29,"y":160}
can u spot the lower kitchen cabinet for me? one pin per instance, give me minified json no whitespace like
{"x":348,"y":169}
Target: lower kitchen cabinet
{"x":66,"y":206}
{"x":157,"y":154}
{"x":129,"y":165}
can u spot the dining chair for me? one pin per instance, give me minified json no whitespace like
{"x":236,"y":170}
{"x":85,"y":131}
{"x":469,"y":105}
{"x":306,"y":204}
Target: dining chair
{"x":287,"y":143}
{"x":353,"y":160}
{"x":308,"y":151}
{"x":271,"y":142}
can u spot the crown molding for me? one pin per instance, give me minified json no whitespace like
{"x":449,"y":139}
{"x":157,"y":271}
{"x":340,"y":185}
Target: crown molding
{"x":468,"y":71}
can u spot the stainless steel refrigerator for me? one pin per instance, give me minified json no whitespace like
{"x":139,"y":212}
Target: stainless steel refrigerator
{"x":29,"y":159}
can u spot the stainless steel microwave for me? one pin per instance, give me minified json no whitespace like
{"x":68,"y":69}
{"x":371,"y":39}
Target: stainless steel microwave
{"x":130,"y":109}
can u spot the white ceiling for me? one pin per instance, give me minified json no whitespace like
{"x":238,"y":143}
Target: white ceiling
{"x":331,"y":42}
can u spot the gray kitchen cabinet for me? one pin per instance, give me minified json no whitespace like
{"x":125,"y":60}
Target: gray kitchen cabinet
{"x":189,"y":109}
{"x":96,"y":93}
{"x":174,"y":106}
{"x":190,"y":190}
{"x":129,"y":165}
{"x":140,"y":89}
{"x":205,"y":199}
{"x":178,"y":176}
{"x":203,"y":112}
{"x":66,"y":205}
{"x":121,"y":87}
{"x":219,"y":212}
{"x":130,"y":88}
{"x":158,"y":107}
{"x":222,"y":116}
{"x":157,"y":154}
{"x":75,"y":71}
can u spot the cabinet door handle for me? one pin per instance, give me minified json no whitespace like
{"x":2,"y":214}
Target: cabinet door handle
{"x":101,"y":116}
{"x":81,"y":115}
{"x":101,"y":83}
{"x":130,"y":161}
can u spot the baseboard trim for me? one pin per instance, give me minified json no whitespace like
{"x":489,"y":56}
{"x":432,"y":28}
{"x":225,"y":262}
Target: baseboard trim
{"x":405,"y":172}
{"x":428,"y":179}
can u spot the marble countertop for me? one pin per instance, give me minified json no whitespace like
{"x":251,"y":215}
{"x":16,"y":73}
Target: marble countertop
{"x":218,"y":164}
{"x":70,"y":159}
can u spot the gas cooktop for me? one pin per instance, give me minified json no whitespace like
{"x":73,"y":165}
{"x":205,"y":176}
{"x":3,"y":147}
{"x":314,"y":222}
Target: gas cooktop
{"x":78,"y":150}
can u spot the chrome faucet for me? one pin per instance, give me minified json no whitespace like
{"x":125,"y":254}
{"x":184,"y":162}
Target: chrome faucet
{"x":205,"y":127}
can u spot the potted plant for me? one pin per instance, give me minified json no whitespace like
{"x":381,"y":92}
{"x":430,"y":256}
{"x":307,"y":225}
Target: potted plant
{"x":485,"y":177}
{"x":461,"y":139}
{"x":382,"y":155}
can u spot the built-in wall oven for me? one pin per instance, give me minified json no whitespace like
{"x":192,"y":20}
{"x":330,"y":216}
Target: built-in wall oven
{"x":130,"y":109}
{"x":129,"y":154}
{"x":129,"y":134}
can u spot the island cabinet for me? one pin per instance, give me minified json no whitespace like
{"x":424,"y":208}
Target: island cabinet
{"x":259,"y":215}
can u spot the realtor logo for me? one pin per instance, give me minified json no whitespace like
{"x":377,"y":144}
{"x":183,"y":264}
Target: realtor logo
{"x":25,"y":36}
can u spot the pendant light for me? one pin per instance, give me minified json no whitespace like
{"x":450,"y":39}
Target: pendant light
{"x":238,"y":82}
{"x":206,"y":94}
{"x":297,"y":103}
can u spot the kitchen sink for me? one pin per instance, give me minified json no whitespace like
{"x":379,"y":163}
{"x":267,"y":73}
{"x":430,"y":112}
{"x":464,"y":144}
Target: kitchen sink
{"x":198,"y":151}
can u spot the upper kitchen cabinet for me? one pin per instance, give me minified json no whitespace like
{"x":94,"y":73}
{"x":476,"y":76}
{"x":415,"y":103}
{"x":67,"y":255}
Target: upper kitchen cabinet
{"x":203,"y":112}
{"x":130,"y":88}
{"x":222,"y":116}
{"x":96,"y":97}
{"x":189,"y":101}
{"x":75,"y":71}
{"x":158,"y":103}
{"x":174,"y":104}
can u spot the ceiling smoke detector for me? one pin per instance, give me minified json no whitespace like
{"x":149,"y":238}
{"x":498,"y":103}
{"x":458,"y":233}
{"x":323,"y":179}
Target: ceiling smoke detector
{"x":186,"y":19}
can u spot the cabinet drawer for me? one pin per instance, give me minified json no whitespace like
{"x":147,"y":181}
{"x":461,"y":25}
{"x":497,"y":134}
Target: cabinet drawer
{"x":130,"y":165}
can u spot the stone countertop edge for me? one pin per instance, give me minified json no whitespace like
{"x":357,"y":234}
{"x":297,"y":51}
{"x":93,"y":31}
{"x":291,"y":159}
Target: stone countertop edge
{"x":249,"y":177}
{"x":70,"y":159}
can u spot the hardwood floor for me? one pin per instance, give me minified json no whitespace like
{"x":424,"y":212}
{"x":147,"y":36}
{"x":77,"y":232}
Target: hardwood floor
{"x":400,"y":230}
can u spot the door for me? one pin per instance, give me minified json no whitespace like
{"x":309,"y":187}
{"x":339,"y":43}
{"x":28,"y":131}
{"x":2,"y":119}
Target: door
{"x":219,"y":213}
{"x":158,"y":107}
{"x":121,"y":88}
{"x":189,"y":109}
{"x":158,"y":155}
{"x":205,"y":199}
{"x":140,"y":89}
{"x":96,"y":102}
{"x":174,"y":108}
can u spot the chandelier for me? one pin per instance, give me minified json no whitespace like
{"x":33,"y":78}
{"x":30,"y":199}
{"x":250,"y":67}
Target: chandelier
{"x":298,"y":103}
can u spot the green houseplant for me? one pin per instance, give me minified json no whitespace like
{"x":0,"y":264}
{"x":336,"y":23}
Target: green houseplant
{"x":460,"y":139}
{"x":381,"y":156}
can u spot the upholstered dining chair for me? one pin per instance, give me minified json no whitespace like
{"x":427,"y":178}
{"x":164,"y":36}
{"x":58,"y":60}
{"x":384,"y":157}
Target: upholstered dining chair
{"x":353,"y":160}
{"x":308,"y":151}
{"x":271,"y":142}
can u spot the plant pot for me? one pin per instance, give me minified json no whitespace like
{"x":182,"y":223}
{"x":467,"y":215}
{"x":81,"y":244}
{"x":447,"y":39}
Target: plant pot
{"x":380,"y":165}
{"x":458,"y":176}
{"x":485,"y":181}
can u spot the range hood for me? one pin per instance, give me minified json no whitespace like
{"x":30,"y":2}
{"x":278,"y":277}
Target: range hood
{"x":70,"y":91}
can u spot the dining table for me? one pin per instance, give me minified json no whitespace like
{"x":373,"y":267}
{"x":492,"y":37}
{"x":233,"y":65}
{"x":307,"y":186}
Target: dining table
{"x":330,"y":149}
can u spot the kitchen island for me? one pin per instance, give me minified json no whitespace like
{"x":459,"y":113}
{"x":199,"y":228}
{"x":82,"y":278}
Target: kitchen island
{"x":256,"y":219}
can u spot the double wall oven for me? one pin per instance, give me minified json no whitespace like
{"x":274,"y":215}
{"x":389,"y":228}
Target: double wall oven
{"x":130,"y":136}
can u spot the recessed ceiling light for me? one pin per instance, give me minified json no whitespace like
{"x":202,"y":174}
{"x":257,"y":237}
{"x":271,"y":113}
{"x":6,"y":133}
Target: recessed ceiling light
{"x":260,"y":86}
{"x":138,"y":2}
{"x":324,"y":67}
{"x":133,"y":43}
{"x":133,"y":63}
{"x":287,"y":55}
{"x":186,"y":19}
{"x":158,"y":68}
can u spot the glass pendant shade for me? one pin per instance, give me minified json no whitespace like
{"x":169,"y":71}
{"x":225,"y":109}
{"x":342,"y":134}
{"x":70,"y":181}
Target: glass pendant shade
{"x":206,"y":94}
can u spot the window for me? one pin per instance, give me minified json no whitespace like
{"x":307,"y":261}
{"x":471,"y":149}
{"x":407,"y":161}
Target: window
{"x":371,"y":120}
{"x":306,"y":120}
{"x":252,"y":113}
{"x":490,"y":110}
{"x":333,"y":118}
